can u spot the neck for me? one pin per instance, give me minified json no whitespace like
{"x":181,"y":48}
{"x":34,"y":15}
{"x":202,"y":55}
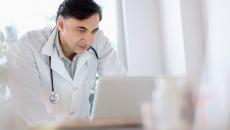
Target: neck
{"x":71,"y":56}
{"x":66,"y":51}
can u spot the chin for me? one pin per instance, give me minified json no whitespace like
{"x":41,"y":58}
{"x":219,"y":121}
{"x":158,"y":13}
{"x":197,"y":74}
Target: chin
{"x":80,"y":51}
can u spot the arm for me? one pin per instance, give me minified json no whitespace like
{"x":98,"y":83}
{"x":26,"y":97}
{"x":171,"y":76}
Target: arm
{"x":25,"y":84}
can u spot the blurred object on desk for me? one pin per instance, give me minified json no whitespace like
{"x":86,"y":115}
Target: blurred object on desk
{"x":102,"y":124}
{"x":147,"y":116}
{"x":172,"y":105}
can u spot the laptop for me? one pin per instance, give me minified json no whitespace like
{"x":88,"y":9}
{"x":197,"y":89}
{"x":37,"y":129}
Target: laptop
{"x":121,"y":96}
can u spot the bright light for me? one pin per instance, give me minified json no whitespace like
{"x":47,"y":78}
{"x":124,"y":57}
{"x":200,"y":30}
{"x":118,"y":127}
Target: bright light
{"x":26,"y":15}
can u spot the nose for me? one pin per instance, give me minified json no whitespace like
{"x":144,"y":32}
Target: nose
{"x":88,"y":37}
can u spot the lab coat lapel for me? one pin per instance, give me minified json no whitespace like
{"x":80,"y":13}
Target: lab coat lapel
{"x":81,"y":61}
{"x":56,"y":64}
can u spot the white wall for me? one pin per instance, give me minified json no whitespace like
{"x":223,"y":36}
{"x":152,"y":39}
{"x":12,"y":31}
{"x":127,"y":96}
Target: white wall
{"x":193,"y":29}
{"x":163,"y":37}
{"x":172,"y":37}
{"x":142,"y":37}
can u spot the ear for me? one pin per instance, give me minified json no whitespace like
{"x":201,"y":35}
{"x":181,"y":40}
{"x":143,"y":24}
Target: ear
{"x":60,"y":23}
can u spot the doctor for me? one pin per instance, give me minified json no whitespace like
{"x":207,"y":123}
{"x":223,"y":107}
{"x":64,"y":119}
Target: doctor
{"x":53,"y":70}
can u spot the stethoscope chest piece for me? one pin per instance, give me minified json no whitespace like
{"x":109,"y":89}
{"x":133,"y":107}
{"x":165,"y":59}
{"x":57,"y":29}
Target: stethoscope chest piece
{"x":54,"y":98}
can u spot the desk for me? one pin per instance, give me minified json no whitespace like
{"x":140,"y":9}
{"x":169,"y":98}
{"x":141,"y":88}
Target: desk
{"x":97,"y":124}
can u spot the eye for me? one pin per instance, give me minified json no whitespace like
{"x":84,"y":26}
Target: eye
{"x":94,"y":31}
{"x":81,"y":30}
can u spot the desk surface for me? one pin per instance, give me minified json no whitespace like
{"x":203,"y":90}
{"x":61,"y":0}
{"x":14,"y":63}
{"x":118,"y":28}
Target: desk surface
{"x":97,"y":124}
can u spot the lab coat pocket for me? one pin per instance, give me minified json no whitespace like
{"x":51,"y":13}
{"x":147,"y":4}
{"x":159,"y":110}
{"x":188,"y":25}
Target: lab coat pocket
{"x":80,"y":107}
{"x":91,"y":72}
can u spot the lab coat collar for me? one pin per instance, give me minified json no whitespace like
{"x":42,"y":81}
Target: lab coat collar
{"x":56,"y":63}
{"x":48,"y":48}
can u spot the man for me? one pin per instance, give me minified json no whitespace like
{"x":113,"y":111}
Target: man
{"x":52,"y":71}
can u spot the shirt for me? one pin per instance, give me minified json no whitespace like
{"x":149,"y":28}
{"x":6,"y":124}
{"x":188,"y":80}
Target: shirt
{"x":69,"y":65}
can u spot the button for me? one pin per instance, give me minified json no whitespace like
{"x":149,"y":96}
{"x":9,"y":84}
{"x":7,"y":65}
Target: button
{"x":75,"y":88}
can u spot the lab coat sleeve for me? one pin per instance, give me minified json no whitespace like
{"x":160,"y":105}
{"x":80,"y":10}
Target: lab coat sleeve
{"x":109,"y":62}
{"x":25,"y":84}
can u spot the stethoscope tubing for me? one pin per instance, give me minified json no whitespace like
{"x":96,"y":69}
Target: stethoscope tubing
{"x":54,"y":96}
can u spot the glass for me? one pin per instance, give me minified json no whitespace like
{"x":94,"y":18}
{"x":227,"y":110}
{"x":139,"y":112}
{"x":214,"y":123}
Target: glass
{"x":172,"y":106}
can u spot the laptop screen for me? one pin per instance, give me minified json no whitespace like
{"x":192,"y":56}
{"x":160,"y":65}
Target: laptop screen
{"x":121,"y":96}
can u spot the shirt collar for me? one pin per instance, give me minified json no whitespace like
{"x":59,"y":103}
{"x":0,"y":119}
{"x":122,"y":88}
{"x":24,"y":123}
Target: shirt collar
{"x":60,"y":50}
{"x":58,"y":46}
{"x":53,"y":44}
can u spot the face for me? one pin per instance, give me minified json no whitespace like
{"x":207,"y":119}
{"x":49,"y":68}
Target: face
{"x":76,"y":36}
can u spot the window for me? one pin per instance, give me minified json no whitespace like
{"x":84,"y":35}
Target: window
{"x":25,"y":15}
{"x":32,"y":14}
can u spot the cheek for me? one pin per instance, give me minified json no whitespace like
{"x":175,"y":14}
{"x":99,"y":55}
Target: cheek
{"x":74,"y":43}
{"x":73,"y":39}
{"x":71,"y":42}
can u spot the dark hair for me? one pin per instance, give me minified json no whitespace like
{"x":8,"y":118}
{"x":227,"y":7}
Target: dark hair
{"x":79,"y":9}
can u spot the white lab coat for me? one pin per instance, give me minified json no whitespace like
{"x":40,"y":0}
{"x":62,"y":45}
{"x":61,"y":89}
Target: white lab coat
{"x":30,"y":79}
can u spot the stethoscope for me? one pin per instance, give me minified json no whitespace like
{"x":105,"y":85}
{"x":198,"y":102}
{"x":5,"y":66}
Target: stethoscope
{"x":54,"y":97}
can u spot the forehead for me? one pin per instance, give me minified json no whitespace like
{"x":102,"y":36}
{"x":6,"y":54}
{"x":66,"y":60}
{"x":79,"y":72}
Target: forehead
{"x":90,"y":23}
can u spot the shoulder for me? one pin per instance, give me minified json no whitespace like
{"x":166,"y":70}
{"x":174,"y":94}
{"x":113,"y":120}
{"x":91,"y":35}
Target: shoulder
{"x":34,"y":39}
{"x":100,"y":38}
{"x":101,"y":43}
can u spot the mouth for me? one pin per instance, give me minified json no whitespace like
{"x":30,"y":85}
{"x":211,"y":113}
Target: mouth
{"x":83,"y":47}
